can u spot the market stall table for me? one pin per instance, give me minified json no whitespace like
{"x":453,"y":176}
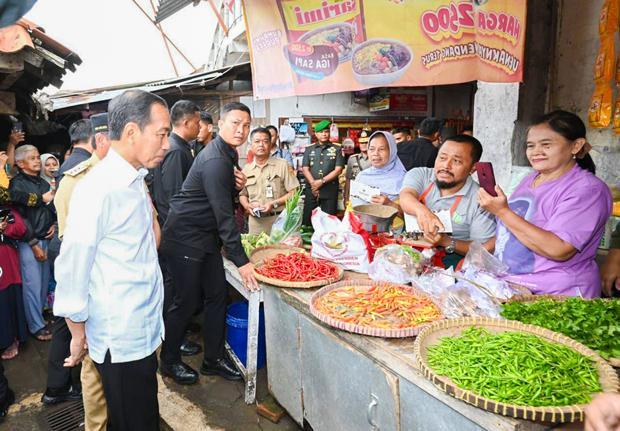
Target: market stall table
{"x":339,"y":380}
{"x":254,"y":300}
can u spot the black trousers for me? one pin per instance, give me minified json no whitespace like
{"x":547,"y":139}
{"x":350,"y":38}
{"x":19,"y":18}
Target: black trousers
{"x":4,"y":384}
{"x":193,"y":280}
{"x":168,"y":283}
{"x":130,"y":390}
{"x":328,"y":205}
{"x":59,"y":377}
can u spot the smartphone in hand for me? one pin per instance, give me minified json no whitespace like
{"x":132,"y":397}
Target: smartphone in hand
{"x":486,"y":177}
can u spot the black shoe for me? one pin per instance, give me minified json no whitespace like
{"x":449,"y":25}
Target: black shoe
{"x":180,"y":372}
{"x":55,"y":396}
{"x":189,"y":348}
{"x":4,"y":405}
{"x":192,"y":328}
{"x":222,"y":367}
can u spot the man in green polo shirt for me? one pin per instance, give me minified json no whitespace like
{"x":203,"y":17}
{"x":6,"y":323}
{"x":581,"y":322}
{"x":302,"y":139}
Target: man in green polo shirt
{"x":322,"y":164}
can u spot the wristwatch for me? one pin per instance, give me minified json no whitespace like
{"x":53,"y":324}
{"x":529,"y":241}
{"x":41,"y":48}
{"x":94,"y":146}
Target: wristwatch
{"x":275,"y":205}
{"x":450,"y":248}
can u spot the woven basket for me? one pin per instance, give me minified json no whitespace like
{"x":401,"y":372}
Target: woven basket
{"x":533,"y":298}
{"x":359,"y":329}
{"x":259,"y":255}
{"x":431,"y":334}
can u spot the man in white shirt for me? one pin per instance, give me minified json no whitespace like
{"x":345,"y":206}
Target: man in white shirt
{"x":109,"y":285}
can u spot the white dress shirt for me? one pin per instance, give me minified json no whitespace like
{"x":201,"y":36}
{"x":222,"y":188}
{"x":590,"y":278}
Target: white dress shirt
{"x":107,"y":272}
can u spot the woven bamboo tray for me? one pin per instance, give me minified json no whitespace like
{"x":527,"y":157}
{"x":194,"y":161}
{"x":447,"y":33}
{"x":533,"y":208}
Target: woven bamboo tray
{"x":533,"y":298}
{"x":431,"y":334}
{"x":258,"y":256}
{"x":359,"y":329}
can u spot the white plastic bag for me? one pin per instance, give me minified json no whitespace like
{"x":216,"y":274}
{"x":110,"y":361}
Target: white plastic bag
{"x":395,"y":264}
{"x":335,"y":241}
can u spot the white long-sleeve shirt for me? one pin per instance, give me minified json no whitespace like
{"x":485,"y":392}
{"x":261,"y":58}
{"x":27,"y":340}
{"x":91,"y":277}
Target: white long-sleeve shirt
{"x":107,"y":272}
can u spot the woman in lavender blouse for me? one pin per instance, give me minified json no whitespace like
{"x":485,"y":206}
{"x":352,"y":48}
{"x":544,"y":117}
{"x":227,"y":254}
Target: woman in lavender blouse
{"x":549,"y":229}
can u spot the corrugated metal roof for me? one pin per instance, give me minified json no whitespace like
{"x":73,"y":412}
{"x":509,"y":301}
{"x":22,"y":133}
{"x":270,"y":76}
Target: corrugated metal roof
{"x":65,"y":99}
{"x":168,"y":8}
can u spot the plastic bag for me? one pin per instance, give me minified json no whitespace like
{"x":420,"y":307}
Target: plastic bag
{"x":604,"y":64}
{"x":293,"y":240}
{"x":287,"y":225}
{"x":599,"y":113}
{"x":334,"y":240}
{"x":479,"y":258}
{"x":456,"y":299}
{"x":334,"y":133}
{"x":608,"y":19}
{"x":396,"y":264}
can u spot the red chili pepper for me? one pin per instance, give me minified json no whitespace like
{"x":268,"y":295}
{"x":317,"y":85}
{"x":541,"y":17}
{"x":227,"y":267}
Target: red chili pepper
{"x":297,"y":267}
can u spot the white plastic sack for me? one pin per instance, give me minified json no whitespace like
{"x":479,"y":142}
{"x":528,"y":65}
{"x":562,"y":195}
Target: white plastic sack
{"x":335,"y":241}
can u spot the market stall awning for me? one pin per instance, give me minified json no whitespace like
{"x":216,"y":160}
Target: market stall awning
{"x":168,"y":8}
{"x":30,"y":60}
{"x":68,"y":99}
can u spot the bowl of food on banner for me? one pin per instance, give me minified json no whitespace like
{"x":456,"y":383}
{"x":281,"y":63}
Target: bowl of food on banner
{"x":340,"y":37}
{"x":380,"y":61}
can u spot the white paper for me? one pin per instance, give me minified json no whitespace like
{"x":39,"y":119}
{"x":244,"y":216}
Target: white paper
{"x":411,"y":222}
{"x":363,"y":191}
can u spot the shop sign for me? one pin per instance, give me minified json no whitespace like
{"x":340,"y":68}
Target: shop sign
{"x":409,"y":102}
{"x":304,"y":47}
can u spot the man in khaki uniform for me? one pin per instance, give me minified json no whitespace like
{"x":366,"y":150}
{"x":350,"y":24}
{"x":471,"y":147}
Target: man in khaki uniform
{"x":270,"y":182}
{"x":95,"y":406}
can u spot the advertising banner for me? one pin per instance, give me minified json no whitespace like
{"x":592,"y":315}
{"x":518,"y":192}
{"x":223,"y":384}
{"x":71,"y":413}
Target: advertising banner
{"x":304,"y":47}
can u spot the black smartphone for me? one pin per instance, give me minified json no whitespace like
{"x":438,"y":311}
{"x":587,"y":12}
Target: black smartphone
{"x":18,"y":126}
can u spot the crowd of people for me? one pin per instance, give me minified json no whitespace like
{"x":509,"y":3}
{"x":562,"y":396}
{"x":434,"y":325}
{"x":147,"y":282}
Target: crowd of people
{"x":131,"y":227}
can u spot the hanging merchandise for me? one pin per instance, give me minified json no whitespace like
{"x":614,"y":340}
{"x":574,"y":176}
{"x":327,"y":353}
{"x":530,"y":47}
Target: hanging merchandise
{"x":599,"y":113}
{"x":608,"y":20}
{"x":604,"y":65}
{"x":334,"y":133}
{"x":601,"y":109}
{"x":348,"y":146}
{"x":354,"y":134}
{"x":616,"y":122}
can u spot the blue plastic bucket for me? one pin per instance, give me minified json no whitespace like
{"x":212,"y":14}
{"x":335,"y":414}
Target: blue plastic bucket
{"x":237,"y":332}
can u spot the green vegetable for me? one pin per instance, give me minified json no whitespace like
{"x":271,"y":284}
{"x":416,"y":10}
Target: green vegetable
{"x":515,"y":368}
{"x":415,"y":255}
{"x":292,"y":219}
{"x":252,"y":241}
{"x":595,"y":323}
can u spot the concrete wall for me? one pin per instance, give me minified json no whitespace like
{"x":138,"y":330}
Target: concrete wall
{"x":572,"y":86}
{"x":495,"y":113}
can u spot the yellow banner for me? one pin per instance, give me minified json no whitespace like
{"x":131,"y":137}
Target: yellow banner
{"x":303,"y":47}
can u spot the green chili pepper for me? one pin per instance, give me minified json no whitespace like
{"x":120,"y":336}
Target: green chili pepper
{"x":515,"y":368}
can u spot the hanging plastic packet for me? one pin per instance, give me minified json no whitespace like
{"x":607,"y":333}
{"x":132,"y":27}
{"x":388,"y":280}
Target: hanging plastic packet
{"x":599,"y":113}
{"x":616,"y":122}
{"x":334,"y":133}
{"x":608,"y":19}
{"x":604,"y":64}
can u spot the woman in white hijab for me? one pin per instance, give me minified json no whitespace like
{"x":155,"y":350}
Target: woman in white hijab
{"x":49,"y":168}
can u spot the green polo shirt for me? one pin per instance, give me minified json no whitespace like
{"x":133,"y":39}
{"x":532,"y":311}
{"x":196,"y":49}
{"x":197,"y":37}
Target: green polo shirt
{"x":322,"y":160}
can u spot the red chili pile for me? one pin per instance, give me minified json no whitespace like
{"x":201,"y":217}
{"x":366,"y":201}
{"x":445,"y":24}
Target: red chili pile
{"x":297,"y":267}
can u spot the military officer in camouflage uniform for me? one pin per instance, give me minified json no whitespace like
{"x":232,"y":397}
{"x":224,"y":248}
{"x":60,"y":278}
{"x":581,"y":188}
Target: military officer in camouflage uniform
{"x":322,"y":164}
